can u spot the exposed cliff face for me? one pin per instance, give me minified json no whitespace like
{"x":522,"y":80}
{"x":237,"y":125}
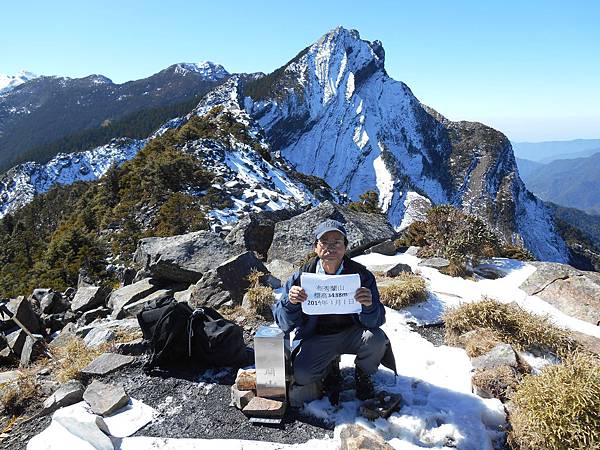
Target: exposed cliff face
{"x":334,"y":112}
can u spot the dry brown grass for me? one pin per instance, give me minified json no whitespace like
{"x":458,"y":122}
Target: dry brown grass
{"x":456,"y":270}
{"x":512,"y":325}
{"x":501,"y":382}
{"x":559,"y":408}
{"x":261,"y":298}
{"x":10,"y":423}
{"x":122,"y":336}
{"x":407,"y":289}
{"x":254,"y":277}
{"x":481,"y":341}
{"x":19,"y":393}
{"x":72,"y":357}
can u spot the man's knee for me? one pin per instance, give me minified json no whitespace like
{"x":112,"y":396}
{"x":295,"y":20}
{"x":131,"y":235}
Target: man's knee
{"x":303,"y":374}
{"x":374,"y":339}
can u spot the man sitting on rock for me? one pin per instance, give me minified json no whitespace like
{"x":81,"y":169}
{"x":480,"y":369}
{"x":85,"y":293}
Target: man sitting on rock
{"x":323,"y":338}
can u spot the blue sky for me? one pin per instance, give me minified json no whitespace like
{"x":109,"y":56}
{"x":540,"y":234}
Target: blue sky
{"x":528,"y":68}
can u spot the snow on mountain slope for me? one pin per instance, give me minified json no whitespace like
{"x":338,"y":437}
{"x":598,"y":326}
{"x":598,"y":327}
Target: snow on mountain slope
{"x":334,"y":112}
{"x":9,"y":82}
{"x":20,"y":184}
{"x":207,"y":69}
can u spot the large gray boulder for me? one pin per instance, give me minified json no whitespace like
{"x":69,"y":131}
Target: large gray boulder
{"x":132,"y":309}
{"x":53,"y":303}
{"x":574,"y":292}
{"x":227,"y":283}
{"x":184,"y":258}
{"x":22,"y":310}
{"x":294,"y":238}
{"x":254,"y":232}
{"x":129,"y":294}
{"x":89,"y":297}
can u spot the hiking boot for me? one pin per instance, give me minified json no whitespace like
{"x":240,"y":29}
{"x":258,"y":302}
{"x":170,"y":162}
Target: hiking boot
{"x":364,"y":385}
{"x":332,"y":384}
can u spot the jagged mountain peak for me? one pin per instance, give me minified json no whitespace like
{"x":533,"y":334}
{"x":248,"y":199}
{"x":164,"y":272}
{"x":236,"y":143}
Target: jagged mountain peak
{"x":207,"y":69}
{"x":359,"y":52}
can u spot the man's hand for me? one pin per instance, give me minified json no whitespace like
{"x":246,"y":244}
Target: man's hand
{"x":297,"y":295}
{"x":363,"y":296}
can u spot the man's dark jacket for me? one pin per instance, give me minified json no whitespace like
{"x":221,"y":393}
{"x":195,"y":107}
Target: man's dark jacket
{"x":289,"y":316}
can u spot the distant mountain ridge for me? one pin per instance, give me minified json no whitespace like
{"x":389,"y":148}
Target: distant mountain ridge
{"x":332,"y":117}
{"x":549,"y":151}
{"x":572,"y":183}
{"x":45,"y":109}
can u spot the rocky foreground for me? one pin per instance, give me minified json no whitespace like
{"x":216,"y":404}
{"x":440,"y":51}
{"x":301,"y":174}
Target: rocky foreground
{"x":95,"y":350}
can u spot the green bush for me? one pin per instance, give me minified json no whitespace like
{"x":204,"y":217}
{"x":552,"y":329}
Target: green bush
{"x":459,"y":237}
{"x":559,"y":408}
{"x":180,"y":214}
{"x":415,"y":234}
{"x":516,"y":252}
{"x":368,"y":202}
{"x":406,"y":289}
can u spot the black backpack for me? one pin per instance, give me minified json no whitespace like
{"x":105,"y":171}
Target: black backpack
{"x":216,"y":341}
{"x":182,"y":338}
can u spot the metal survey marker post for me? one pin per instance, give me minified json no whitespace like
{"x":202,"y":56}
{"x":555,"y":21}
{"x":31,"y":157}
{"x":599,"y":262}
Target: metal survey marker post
{"x":270,"y":363}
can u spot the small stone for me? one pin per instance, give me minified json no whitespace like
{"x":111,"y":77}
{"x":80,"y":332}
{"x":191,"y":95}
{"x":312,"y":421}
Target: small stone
{"x":66,"y":335}
{"x":16,"y":341}
{"x":355,"y":437}
{"x":107,"y":363}
{"x":29,"y":350}
{"x":69,"y":393}
{"x":264,"y":407}
{"x":436,"y":263}
{"x":53,"y":303}
{"x":105,"y":399}
{"x":412,"y":250}
{"x":241,"y":398}
{"x":9,"y":376}
{"x":246,"y":380}
{"x":89,"y":297}
{"x":500,"y":355}
{"x":397,"y":270}
{"x":383,"y":248}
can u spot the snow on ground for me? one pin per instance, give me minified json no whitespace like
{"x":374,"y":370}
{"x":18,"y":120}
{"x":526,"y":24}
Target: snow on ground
{"x":438,"y":408}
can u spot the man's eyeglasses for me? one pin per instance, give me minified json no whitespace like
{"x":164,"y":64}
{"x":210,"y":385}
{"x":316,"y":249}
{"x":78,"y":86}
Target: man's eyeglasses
{"x":336,"y":243}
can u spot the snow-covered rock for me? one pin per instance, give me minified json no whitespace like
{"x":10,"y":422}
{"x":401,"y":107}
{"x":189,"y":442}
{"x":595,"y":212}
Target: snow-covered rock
{"x":334,"y":112}
{"x":9,"y":82}
{"x":207,"y":69}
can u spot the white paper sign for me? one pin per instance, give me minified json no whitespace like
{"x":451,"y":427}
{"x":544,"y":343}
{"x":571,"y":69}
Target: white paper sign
{"x":330,"y":294}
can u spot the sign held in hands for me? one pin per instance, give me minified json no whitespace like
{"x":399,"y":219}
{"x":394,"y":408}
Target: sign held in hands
{"x":330,"y":294}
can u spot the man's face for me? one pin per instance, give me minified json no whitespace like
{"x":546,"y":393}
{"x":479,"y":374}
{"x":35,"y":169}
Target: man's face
{"x":330,"y":246}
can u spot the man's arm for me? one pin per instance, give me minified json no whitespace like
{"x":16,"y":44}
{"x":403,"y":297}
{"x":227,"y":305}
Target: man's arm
{"x":287,"y":314}
{"x":372,"y":316}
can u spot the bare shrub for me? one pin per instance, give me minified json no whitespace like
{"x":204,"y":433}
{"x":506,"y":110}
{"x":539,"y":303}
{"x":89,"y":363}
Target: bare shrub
{"x":73,"y":357}
{"x":499,"y":382}
{"x":512,"y":324}
{"x":407,"y":289}
{"x":558,"y":409}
